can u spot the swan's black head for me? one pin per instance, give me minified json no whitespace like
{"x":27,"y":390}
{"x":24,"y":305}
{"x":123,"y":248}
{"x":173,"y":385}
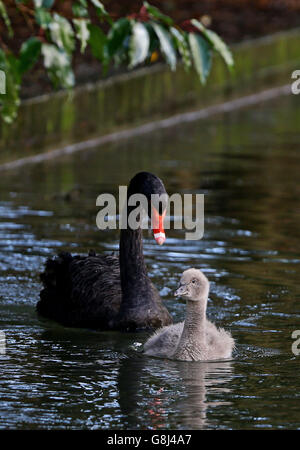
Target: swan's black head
{"x":154,"y":190}
{"x":146,"y":183}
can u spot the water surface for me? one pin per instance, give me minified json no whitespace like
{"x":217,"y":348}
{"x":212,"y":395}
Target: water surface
{"x":247,"y":164}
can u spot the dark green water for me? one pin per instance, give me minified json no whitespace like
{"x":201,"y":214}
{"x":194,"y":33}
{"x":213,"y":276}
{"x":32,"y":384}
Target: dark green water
{"x":248,"y":165}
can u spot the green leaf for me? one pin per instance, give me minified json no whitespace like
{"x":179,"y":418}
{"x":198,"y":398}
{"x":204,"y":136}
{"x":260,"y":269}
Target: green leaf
{"x":156,"y":14}
{"x":166,"y":44}
{"x":99,"y":6}
{"x":101,"y":10}
{"x":43,"y":3}
{"x":202,"y":57}
{"x":13,"y":63}
{"x":97,"y":40}
{"x":62,"y":33}
{"x":43,"y":17}
{"x":116,"y":39}
{"x":82,"y":32}
{"x":58,"y":65}
{"x":217,"y":43}
{"x":139,"y":44}
{"x":29,"y":54}
{"x":182,"y":45}
{"x":80,"y":8}
{"x":10,"y":101}
{"x":4,"y":15}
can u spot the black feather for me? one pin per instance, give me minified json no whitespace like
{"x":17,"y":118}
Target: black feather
{"x":91,"y":291}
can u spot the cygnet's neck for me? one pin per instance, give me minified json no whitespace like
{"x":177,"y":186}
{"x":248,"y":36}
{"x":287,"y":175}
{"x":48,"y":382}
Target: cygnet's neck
{"x":193,"y":337}
{"x":195,"y":317}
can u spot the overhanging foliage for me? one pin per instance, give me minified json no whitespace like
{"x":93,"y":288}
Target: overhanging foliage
{"x":129,"y":41}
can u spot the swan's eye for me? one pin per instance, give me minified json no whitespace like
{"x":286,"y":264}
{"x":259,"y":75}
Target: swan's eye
{"x":194,"y":281}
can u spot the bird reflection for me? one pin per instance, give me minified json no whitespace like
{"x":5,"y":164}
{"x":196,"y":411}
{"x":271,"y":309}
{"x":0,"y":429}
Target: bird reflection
{"x":161,"y":393}
{"x":200,"y":379}
{"x":144,"y":392}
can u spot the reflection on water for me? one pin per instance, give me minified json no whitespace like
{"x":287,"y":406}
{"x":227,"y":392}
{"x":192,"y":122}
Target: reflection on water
{"x":247,"y":165}
{"x":172,"y":390}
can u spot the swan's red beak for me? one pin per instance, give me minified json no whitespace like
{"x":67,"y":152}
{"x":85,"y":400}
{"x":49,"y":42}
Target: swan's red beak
{"x":158,"y":226}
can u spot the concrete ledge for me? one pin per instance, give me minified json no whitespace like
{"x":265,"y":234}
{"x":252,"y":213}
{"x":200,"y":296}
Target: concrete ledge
{"x":153,"y":93}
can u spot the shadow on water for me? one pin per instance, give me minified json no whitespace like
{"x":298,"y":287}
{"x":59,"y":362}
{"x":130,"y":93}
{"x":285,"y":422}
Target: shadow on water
{"x":247,"y":165}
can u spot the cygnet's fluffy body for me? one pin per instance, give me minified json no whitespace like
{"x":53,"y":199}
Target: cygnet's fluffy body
{"x":195,"y":339}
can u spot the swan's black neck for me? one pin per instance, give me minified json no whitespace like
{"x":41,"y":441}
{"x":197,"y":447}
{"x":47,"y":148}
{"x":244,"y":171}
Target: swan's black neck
{"x":141,"y":305}
{"x":134,"y":279}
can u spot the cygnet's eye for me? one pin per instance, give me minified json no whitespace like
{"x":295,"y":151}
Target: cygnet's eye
{"x":194,"y":281}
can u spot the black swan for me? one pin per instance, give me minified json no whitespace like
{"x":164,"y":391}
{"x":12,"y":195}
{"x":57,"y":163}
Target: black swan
{"x":107,"y":292}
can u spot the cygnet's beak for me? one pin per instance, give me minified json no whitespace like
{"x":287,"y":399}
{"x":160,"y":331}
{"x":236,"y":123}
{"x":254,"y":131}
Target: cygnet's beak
{"x":182,"y":290}
{"x":158,"y":226}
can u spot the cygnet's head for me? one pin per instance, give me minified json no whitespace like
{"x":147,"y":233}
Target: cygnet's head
{"x":193,"y":285}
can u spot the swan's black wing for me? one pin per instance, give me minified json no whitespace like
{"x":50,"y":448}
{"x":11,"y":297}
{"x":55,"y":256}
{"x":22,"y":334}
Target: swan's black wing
{"x":81,"y":290}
